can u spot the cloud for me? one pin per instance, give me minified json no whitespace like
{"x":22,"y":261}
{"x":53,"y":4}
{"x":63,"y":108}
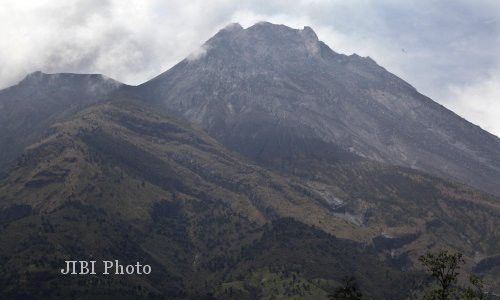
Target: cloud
{"x":446,"y":49}
{"x":198,"y":53}
{"x":127,"y":40}
{"x":480,"y":102}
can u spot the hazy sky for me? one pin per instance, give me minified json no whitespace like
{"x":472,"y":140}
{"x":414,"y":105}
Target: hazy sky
{"x":448,"y":50}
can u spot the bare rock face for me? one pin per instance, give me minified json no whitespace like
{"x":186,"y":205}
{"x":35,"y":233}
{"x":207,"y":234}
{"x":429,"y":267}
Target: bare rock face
{"x":270,"y":89}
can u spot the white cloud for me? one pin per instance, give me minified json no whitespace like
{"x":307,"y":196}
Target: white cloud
{"x":431,"y":44}
{"x":124,"y":39}
{"x":198,"y":53}
{"x":479,"y":103}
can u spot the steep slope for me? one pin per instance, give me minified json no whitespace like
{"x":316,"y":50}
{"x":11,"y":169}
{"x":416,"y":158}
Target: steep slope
{"x":270,"y":90}
{"x":30,"y":107}
{"x":119,"y":181}
{"x":122,"y":181}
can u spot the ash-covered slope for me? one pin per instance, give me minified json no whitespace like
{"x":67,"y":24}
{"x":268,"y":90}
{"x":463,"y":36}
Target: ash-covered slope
{"x":270,"y":91}
{"x":28,"y":108}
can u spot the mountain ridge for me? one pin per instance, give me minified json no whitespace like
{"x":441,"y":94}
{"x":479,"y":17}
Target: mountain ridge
{"x":265,"y":165}
{"x":273,"y":73}
{"x":37,"y":101}
{"x":167,"y":192}
{"x":186,"y":200}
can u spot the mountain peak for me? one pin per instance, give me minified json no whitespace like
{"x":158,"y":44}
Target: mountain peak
{"x":265,"y":29}
{"x":232,"y":27}
{"x":281,"y":30}
{"x":309,"y":33}
{"x":55,"y":79}
{"x":261,"y":42}
{"x":227,"y":30}
{"x":35,"y":74}
{"x":280,"y":75}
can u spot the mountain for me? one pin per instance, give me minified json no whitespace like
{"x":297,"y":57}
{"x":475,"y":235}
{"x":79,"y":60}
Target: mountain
{"x":263,"y":167}
{"x":270,"y":90}
{"x":39,"y":100}
{"x":120,"y":181}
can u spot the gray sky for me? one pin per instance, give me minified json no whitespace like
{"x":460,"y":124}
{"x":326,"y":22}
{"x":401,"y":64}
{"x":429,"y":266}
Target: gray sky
{"x":448,"y":50}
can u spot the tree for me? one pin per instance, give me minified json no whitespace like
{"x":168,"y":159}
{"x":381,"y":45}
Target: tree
{"x":348,"y":290}
{"x":443,"y":267}
{"x":474,"y":292}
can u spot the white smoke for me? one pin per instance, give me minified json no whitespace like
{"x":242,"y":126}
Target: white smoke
{"x":198,"y":53}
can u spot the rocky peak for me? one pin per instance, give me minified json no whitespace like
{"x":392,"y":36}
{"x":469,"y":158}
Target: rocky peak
{"x":35,"y":77}
{"x":288,"y":79}
{"x":232,"y":27}
{"x":224,"y":33}
{"x":262,"y":43}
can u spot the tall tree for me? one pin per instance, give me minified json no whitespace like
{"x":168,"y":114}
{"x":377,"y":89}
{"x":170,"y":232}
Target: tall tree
{"x":443,"y":267}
